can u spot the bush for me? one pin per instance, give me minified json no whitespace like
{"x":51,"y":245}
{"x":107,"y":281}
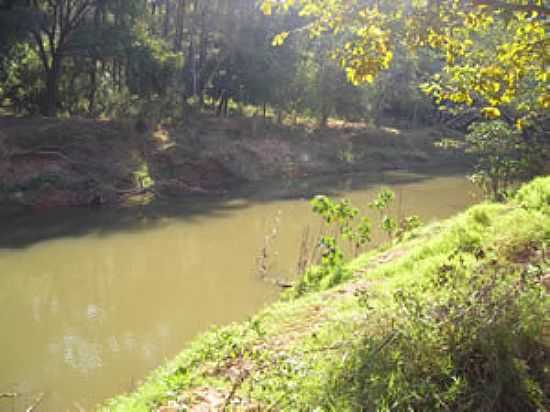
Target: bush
{"x":464,"y":330}
{"x":342,"y":222}
{"x":502,"y":156}
{"x":470,"y":343}
{"x":535,"y":195}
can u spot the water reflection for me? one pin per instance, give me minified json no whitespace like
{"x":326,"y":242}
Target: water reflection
{"x":89,"y":307}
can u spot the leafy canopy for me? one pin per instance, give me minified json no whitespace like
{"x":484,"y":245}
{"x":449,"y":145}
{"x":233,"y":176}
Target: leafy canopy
{"x":494,"y":53}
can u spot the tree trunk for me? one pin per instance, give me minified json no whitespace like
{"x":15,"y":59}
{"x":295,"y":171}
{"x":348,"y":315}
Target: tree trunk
{"x":323,"y":121}
{"x":167,"y":18}
{"x":180,"y":15}
{"x":93,"y":88}
{"x":119,"y":77}
{"x":52,"y":76}
{"x":203,"y":54}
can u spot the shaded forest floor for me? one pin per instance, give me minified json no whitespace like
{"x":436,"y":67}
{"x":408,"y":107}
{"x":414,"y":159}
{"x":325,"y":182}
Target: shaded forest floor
{"x":456,"y":315}
{"x":78,"y":162}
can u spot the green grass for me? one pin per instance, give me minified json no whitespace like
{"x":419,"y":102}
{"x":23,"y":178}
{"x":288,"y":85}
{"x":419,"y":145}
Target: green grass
{"x":452,"y":319}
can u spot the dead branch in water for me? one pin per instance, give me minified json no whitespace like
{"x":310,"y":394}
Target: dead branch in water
{"x":309,"y":249}
{"x":262,"y":261}
{"x":283,"y":284}
{"x":36,"y":402}
{"x":303,"y":256}
{"x":9,"y":395}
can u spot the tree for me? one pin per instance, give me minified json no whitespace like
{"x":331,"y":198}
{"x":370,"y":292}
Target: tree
{"x":54,"y":23}
{"x":124,"y":57}
{"x":495,"y":53}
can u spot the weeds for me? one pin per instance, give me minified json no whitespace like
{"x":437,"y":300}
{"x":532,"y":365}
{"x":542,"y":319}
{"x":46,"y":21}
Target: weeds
{"x":457,"y":324}
{"x":465,"y":338}
{"x":327,"y":264}
{"x":341,"y":219}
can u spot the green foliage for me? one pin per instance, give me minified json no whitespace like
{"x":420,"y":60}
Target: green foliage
{"x":343,"y":215}
{"x":493,"y":53}
{"x":462,"y":326}
{"x":408,"y":225}
{"x":20,"y":78}
{"x":393,"y":229}
{"x":535,"y":195}
{"x":119,"y":58}
{"x":502,"y":156}
{"x":464,"y":338}
{"x":454,"y":324}
{"x":381,"y":204}
{"x":383,"y":200}
{"x":344,"y":219}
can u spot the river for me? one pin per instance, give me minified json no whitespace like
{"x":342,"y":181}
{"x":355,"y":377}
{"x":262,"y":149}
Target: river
{"x":92,"y":300}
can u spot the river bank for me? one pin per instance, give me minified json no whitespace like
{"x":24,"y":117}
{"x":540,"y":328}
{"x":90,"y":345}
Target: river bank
{"x":144,"y":281}
{"x":453,"y":318}
{"x":48,"y":163}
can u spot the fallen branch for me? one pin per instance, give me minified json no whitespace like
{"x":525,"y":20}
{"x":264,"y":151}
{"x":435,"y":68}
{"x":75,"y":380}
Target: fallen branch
{"x":135,"y":191}
{"x":36,"y":402}
{"x":52,"y":154}
{"x":236,"y":385}
{"x":263,"y":259}
{"x":9,"y":395}
{"x":283,"y":284}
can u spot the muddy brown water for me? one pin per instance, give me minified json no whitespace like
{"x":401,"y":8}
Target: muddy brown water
{"x":92,"y":300}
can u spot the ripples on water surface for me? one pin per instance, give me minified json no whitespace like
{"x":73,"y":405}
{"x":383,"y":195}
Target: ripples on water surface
{"x":91,"y":301}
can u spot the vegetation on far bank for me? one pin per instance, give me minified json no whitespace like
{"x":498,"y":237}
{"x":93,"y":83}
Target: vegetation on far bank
{"x":102,"y":100}
{"x":477,"y":67}
{"x":454,"y":318}
{"x":80,"y":162}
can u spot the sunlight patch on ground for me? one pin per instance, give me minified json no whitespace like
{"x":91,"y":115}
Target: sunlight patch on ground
{"x":391,"y":130}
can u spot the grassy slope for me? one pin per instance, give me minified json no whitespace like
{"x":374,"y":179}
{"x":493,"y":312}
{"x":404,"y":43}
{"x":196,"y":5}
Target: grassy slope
{"x":328,"y":349}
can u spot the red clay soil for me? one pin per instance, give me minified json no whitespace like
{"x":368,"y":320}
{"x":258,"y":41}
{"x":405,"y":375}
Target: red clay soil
{"x":49,"y":163}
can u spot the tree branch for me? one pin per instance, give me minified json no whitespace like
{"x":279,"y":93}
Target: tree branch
{"x":41,"y":49}
{"x":9,"y":395}
{"x":35,"y":403}
{"x":498,"y":4}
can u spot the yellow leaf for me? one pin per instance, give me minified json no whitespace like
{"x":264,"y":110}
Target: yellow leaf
{"x":490,"y":112}
{"x":544,"y":101}
{"x":519,"y":124}
{"x":279,"y":39}
{"x":266,"y":8}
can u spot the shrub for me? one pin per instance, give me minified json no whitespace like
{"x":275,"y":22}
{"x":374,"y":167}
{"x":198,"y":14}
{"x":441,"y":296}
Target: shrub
{"x":466,"y":337}
{"x":504,"y":157}
{"x":535,"y":195}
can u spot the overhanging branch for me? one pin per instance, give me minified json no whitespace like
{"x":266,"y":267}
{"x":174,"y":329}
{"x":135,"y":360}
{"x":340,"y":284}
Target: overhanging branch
{"x":499,"y":4}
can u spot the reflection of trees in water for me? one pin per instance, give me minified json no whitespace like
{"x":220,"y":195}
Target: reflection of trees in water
{"x":104,"y":309}
{"x":77,"y":222}
{"x":81,"y":354}
{"x":79,"y":322}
